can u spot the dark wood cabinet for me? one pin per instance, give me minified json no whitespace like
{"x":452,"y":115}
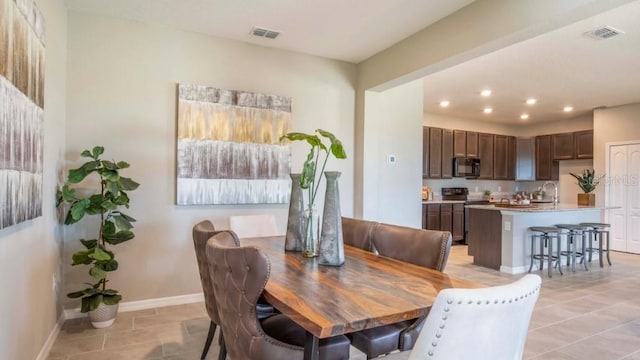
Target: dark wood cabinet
{"x":562,"y":146}
{"x":500,"y":157}
{"x":511,"y":158}
{"x":485,"y":154}
{"x":457,"y":225}
{"x":546,"y":167}
{"x":435,"y":153}
{"x":425,"y":152}
{"x":459,"y":143}
{"x":472,"y":144}
{"x":431,"y":216}
{"x":525,"y":158}
{"x":446,"y":217}
{"x":583,"y":144}
{"x":447,"y":154}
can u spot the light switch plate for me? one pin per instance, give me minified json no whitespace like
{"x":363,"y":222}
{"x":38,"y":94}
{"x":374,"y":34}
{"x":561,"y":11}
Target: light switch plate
{"x":391,"y":159}
{"x":507,"y":226}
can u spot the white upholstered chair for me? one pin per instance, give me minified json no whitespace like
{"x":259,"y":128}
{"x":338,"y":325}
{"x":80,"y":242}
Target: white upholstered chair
{"x":480,"y":324}
{"x":253,"y":225}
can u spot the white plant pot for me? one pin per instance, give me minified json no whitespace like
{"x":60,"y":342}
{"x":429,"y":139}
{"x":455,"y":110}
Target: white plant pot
{"x":103,"y":316}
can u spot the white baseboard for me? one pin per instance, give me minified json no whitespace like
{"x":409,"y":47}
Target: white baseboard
{"x":46,"y":348}
{"x":514,"y":270}
{"x":144,"y":304}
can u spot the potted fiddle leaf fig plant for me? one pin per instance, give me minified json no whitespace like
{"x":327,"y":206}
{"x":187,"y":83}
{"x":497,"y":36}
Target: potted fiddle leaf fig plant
{"x":588,"y":183}
{"x":310,"y":180}
{"x":106,"y":202}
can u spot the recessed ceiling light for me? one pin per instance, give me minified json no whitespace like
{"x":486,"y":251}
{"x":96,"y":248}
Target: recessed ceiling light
{"x":487,"y":110}
{"x":568,"y":108}
{"x":524,"y":116}
{"x":531,"y":101}
{"x":485,"y":92}
{"x":444,"y":103}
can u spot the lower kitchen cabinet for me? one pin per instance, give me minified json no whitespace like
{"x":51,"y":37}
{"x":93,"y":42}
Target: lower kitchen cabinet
{"x":444,"y":217}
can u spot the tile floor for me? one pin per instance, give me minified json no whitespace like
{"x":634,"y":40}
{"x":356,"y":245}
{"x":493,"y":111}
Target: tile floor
{"x":579,"y":316}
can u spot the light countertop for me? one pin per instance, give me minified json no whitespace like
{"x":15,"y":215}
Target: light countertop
{"x":427,"y":202}
{"x":541,"y":208}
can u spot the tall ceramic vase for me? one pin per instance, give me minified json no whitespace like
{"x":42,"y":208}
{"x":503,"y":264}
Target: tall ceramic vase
{"x":293,"y":238}
{"x":331,"y":242}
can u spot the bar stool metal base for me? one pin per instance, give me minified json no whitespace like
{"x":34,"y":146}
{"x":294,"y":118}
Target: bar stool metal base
{"x":546,"y":237}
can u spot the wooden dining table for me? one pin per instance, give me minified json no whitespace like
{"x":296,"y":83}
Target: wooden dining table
{"x":368,"y":290}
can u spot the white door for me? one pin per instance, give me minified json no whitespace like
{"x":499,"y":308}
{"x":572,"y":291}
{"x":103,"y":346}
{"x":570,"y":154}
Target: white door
{"x":624,"y":191}
{"x":633,"y":199}
{"x":617,"y":197}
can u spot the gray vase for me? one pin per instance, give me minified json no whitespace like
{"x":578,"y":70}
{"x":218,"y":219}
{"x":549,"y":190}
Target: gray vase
{"x":331,"y":242}
{"x":293,"y":238}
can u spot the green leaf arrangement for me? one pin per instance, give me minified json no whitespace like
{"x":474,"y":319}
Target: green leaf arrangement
{"x":588,"y":180}
{"x":115,"y":226}
{"x":319,"y":152}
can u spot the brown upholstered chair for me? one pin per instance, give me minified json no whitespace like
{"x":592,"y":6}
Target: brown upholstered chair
{"x":239,"y":276}
{"x":202,"y":231}
{"x":357,"y":233}
{"x":426,"y":248}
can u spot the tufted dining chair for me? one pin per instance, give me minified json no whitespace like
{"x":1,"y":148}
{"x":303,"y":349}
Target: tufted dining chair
{"x":246,"y":226}
{"x":239,"y":276}
{"x":492,"y":321}
{"x":426,"y":248}
{"x":202,"y":231}
{"x":357,"y":233}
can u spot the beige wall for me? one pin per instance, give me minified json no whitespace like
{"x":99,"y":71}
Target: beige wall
{"x":616,"y":124}
{"x":30,"y":251}
{"x":122,"y":95}
{"x":392,"y":190}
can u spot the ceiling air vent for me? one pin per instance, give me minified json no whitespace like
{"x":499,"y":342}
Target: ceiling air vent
{"x":605,"y":32}
{"x":261,"y":32}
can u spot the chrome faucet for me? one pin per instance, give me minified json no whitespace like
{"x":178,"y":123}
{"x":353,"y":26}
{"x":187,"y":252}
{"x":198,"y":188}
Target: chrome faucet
{"x":555,"y":191}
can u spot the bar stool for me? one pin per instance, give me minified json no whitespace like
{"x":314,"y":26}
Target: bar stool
{"x":596,"y":232}
{"x":575,"y":232}
{"x":546,"y":235}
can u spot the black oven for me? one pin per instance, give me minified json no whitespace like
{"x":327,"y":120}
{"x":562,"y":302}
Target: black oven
{"x":466,"y":167}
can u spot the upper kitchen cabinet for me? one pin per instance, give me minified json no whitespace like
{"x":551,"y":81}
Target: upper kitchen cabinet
{"x":583,"y":144}
{"x":485,"y":154}
{"x":500,"y":157}
{"x":562,"y":146}
{"x":425,"y":152}
{"x":459,"y":143}
{"x":435,"y":153}
{"x":511,"y":158}
{"x":525,"y":159}
{"x":447,"y":154}
{"x":472,"y":144}
{"x":546,"y":167}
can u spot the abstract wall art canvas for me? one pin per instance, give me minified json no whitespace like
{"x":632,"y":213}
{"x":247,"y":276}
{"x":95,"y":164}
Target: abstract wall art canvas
{"x":22,"y":49}
{"x":228,"y":148}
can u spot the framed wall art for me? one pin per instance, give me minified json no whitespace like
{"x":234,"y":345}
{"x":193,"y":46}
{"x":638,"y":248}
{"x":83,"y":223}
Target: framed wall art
{"x":228,"y":148}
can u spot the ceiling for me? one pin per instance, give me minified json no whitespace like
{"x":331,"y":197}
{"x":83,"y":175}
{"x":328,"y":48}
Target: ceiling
{"x":560,"y":68}
{"x":348,"y":30}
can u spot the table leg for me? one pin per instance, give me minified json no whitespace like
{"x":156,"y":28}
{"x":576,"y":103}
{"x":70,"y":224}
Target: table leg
{"x":311,"y":348}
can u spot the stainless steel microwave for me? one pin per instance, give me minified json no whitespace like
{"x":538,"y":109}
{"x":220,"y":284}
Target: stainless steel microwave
{"x":466,"y":167}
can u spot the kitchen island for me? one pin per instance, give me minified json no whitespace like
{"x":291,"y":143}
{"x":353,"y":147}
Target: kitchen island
{"x":499,"y":238}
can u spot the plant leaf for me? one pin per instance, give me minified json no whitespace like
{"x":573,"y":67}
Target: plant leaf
{"x":121,"y":222}
{"x":68,"y":193}
{"x":119,"y":237}
{"x":78,"y":209}
{"x":127,"y":184}
{"x":97,"y":273}
{"x":122,"y":165}
{"x":76,"y":294}
{"x":89,"y":244}
{"x":111,"y":299}
{"x":81,"y":258}
{"x":90,"y":303}
{"x":100,"y":254}
{"x":97,"y":151}
{"x":129,"y":218}
{"x":86,"y":153}
{"x":110,"y":175}
{"x":109,"y":165}
{"x":110,"y":266}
